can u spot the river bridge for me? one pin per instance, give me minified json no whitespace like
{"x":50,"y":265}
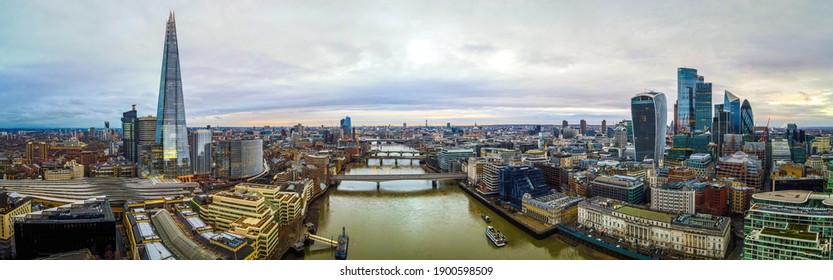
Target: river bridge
{"x":398,"y":177}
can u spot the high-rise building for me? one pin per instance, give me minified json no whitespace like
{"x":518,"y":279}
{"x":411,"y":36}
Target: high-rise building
{"x":37,"y":152}
{"x":721,"y":125}
{"x":686,"y":88}
{"x":703,"y":105}
{"x":731,"y":104}
{"x":747,"y":121}
{"x":130,"y":139}
{"x":564,"y":124}
{"x":171,"y":132}
{"x":583,"y":127}
{"x":649,"y":111}
{"x":201,"y":151}
{"x":347,"y":128}
{"x":628,"y":124}
{"x":604,"y":127}
{"x":620,"y":137}
{"x":237,"y":159}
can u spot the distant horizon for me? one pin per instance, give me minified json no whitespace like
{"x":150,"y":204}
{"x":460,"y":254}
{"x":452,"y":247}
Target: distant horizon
{"x":575,"y":125}
{"x":489,"y":63}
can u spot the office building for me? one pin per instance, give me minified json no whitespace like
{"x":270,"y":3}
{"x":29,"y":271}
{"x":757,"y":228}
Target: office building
{"x":715,"y":200}
{"x":649,"y":124}
{"x":515,"y":181}
{"x":821,"y":145}
{"x":789,"y":225}
{"x":130,"y":135}
{"x":11,"y":204}
{"x":685,"y":236}
{"x":551,"y":209}
{"x":731,"y":104}
{"x":721,"y":123}
{"x":347,"y":128}
{"x":450,"y":160}
{"x":238,"y":159}
{"x":747,"y":120}
{"x":171,"y":132}
{"x":604,"y":128}
{"x":245,"y":213}
{"x":686,"y":89}
{"x":702,"y":106}
{"x":743,"y":167}
{"x":583,"y":127}
{"x":702,"y":164}
{"x":619,"y":187}
{"x":675,"y":197}
{"x":201,"y":151}
{"x":88,"y":224}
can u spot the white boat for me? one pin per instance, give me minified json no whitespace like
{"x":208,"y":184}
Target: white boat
{"x":498,"y":238}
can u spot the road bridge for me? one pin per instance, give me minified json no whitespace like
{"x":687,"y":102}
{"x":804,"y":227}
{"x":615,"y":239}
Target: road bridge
{"x":398,"y":177}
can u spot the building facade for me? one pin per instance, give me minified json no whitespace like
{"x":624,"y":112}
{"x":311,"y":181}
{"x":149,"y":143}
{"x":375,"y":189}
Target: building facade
{"x":551,"y":209}
{"x":673,"y":198}
{"x":684,"y":236}
{"x":201,"y":151}
{"x":649,"y":112}
{"x":88,"y":224}
{"x":130,"y":135}
{"x":237,"y":159}
{"x":171,"y":132}
{"x":789,"y":225}
{"x":618,"y":187}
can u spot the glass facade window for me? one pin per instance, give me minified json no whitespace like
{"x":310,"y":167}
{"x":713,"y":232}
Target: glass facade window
{"x":686,"y":88}
{"x":747,"y":121}
{"x":703,"y":106}
{"x":649,"y":113}
{"x":171,"y":132}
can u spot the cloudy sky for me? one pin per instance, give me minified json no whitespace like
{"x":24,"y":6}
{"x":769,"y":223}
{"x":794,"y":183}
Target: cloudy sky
{"x":252,"y":63}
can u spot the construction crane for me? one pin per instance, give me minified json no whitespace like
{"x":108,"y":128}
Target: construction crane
{"x":765,"y":134}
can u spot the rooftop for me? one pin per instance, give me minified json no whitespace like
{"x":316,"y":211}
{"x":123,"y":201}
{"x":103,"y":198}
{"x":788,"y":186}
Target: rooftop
{"x":90,"y":210}
{"x":704,"y":221}
{"x":786,"y":196}
{"x":647,"y":214}
{"x":791,"y":234}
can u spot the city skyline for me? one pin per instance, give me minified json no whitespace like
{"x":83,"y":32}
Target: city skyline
{"x":486,"y":64}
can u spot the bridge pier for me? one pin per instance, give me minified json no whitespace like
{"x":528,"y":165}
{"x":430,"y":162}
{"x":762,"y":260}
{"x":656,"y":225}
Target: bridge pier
{"x":434,"y":183}
{"x":378,"y":185}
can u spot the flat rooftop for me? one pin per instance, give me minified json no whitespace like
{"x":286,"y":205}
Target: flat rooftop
{"x":791,"y":234}
{"x":90,"y":210}
{"x":787,"y":196}
{"x":647,"y":214}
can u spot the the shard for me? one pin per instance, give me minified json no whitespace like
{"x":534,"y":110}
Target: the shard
{"x":171,"y":133}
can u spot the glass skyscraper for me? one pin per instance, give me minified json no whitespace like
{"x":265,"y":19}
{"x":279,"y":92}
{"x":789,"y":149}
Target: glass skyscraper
{"x":130,"y":129}
{"x":747,"y":120}
{"x":649,"y":112}
{"x":703,"y":105}
{"x":201,"y":151}
{"x":346,"y":128}
{"x":686,"y":87}
{"x":171,"y":133}
{"x":731,"y":104}
{"x":237,"y":159}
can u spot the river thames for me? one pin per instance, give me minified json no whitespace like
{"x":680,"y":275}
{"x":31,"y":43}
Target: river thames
{"x":413,"y":220}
